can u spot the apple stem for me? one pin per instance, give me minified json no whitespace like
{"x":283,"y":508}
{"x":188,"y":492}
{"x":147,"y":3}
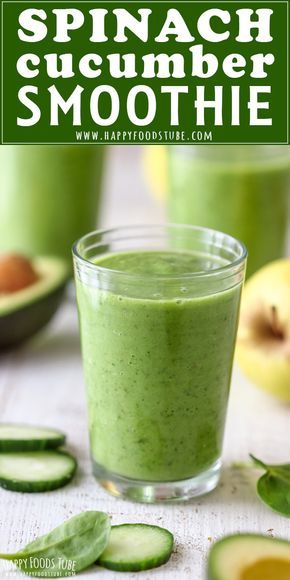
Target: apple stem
{"x":275,"y":324}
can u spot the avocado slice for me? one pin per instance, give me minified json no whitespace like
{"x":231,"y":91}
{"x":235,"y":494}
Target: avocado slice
{"x":249,"y":557}
{"x":25,"y":312}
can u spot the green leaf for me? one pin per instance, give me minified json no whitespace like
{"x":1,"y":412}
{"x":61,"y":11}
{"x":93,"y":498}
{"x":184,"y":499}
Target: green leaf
{"x":273,"y":487}
{"x":66,"y":550}
{"x":258,"y":462}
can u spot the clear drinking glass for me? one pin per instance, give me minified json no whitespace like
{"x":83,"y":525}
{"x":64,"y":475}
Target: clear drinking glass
{"x":49,"y":196}
{"x":158,"y":310}
{"x":242,"y":190}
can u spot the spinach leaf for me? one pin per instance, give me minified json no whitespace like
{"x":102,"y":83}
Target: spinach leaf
{"x":274,"y":486}
{"x":66,"y":550}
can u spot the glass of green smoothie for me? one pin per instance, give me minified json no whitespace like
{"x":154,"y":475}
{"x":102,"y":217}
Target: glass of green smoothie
{"x":49,"y":196}
{"x":241,"y":190}
{"x":158,"y":309}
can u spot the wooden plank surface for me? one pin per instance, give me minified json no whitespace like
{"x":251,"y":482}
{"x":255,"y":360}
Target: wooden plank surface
{"x":43,"y":384}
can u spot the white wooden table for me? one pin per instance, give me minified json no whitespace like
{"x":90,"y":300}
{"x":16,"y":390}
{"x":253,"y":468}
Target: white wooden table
{"x":43,"y":384}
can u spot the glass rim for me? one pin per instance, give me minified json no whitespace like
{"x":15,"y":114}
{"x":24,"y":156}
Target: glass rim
{"x":255,"y":154}
{"x":229,"y":267}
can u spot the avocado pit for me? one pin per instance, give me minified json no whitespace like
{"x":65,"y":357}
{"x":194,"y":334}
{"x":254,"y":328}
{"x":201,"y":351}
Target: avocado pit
{"x":30,"y":294}
{"x":16,"y":273}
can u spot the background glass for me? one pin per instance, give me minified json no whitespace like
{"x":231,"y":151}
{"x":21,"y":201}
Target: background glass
{"x":157,"y":353}
{"x":49,"y":196}
{"x":240,"y":190}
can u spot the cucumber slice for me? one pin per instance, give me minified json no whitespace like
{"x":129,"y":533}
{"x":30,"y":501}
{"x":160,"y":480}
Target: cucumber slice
{"x":134,"y":547}
{"x":36,"y":471}
{"x":28,"y":438}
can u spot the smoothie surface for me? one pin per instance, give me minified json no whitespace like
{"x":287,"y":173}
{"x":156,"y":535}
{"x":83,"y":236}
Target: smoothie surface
{"x":160,"y":263}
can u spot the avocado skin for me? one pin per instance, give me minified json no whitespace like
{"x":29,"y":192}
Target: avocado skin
{"x":23,"y":323}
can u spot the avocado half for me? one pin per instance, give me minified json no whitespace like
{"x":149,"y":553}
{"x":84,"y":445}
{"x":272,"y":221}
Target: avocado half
{"x":25,"y":312}
{"x":249,"y":557}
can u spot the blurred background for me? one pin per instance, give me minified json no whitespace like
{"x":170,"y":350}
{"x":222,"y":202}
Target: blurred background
{"x":52,"y":195}
{"x":129,"y":193}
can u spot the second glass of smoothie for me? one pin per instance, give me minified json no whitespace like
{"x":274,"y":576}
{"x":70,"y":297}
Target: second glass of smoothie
{"x":241,"y":190}
{"x":49,"y":196}
{"x":158,"y":309}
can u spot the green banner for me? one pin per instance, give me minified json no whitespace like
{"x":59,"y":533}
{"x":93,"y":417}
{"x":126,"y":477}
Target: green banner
{"x":144,"y":72}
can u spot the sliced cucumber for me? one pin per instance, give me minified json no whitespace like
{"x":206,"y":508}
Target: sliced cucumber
{"x":36,"y":471}
{"x":134,"y":547}
{"x":28,"y":438}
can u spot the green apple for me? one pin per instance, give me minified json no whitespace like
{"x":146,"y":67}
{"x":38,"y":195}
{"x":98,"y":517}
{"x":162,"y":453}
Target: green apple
{"x":263,"y":345}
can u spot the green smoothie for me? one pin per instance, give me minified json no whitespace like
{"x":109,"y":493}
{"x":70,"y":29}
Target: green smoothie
{"x":241,"y":191}
{"x":49,"y":196}
{"x":157,"y":363}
